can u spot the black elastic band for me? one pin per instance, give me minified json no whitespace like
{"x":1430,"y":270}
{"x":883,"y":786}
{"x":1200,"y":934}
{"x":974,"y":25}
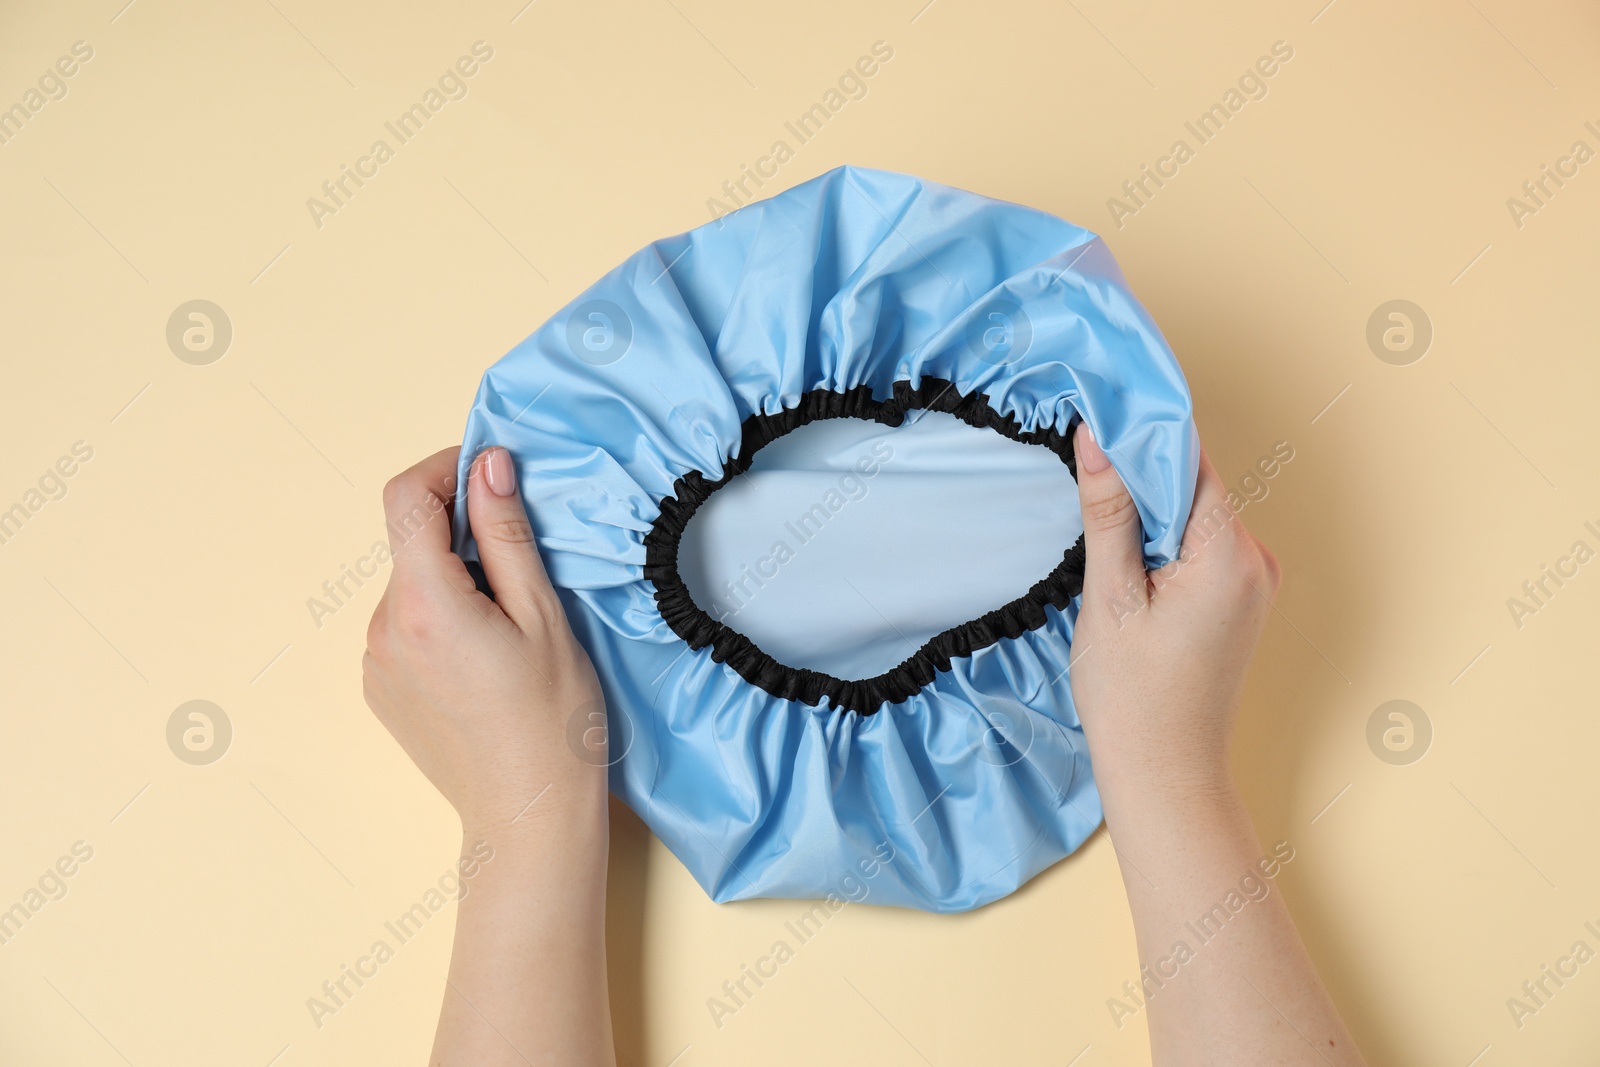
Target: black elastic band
{"x":865,"y":695}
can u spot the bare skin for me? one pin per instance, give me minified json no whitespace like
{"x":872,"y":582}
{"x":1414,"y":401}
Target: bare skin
{"x":1163,"y":662}
{"x":480,"y":694}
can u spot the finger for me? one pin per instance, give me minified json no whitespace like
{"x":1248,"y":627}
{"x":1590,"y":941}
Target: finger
{"x":1208,"y":488}
{"x":1211,"y":514}
{"x":1113,"y":537}
{"x":370,"y":686}
{"x":1273,"y":569}
{"x":416,"y":506}
{"x":505,"y":539}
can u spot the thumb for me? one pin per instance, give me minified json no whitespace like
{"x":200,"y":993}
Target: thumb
{"x":1113,"y":537}
{"x":506,"y":547}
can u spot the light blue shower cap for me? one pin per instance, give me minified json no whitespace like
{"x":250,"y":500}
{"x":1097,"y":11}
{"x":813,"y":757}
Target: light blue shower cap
{"x":863,"y":295}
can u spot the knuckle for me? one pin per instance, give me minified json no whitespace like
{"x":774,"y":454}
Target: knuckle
{"x":1235,"y":542}
{"x":416,"y":624}
{"x":512,"y":530}
{"x":377,"y":641}
{"x":394,"y":491}
{"x":1252,"y":577}
{"x":1271,"y":571}
{"x":409,"y":618}
{"x":374,"y":703}
{"x":371,"y":676}
{"x":1241,"y":534}
{"x":1206,"y":528}
{"x":377,"y":634}
{"x":548,"y":614}
{"x":1110,"y":512}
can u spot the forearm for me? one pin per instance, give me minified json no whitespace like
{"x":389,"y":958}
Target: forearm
{"x":528,"y":974}
{"x":483,"y":692}
{"x":1225,"y":978}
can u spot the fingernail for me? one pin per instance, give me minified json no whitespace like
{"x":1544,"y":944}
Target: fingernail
{"x":500,"y":472}
{"x":1091,"y":460}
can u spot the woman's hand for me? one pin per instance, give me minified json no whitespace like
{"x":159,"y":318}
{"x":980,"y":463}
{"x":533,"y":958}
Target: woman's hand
{"x":1159,"y":658}
{"x":480,"y":693}
{"x":1158,"y":665}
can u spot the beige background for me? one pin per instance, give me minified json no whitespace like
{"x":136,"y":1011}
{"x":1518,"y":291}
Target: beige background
{"x":220,"y":497}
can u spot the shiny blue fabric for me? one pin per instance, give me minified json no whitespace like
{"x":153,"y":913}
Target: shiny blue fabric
{"x":857,"y":277}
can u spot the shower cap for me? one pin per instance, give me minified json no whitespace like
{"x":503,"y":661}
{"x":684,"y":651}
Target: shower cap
{"x":953,"y":777}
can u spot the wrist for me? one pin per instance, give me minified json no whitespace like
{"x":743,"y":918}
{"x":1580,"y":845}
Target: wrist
{"x":1199,"y":833}
{"x":1168,"y":793}
{"x":537,"y":875}
{"x":1184,"y":766}
{"x":514,"y":805}
{"x":561,"y":822}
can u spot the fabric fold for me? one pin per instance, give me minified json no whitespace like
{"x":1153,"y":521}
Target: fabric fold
{"x":951,"y":779}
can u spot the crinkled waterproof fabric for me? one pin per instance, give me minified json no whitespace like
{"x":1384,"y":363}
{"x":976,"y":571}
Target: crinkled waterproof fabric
{"x":862,"y":295}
